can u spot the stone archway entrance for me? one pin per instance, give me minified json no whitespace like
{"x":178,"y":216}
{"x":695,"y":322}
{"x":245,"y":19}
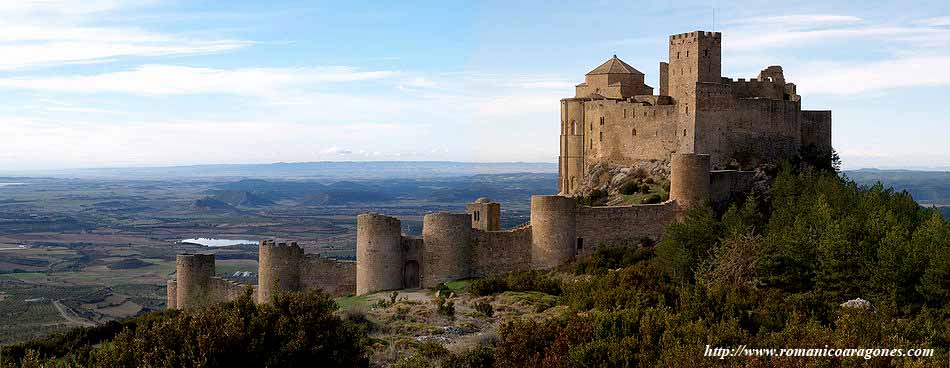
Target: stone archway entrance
{"x":411,"y":275}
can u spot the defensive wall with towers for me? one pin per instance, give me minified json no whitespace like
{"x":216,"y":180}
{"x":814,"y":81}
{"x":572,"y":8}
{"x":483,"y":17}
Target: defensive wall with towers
{"x":456,"y":246}
{"x":697,"y":127}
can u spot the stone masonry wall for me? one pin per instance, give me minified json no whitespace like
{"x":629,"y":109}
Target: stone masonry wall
{"x":335,"y":277}
{"x":622,"y":225}
{"x":725,"y":185}
{"x":496,"y":252}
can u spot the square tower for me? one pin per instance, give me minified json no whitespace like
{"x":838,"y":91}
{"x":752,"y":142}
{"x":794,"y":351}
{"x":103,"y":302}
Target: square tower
{"x":694,"y":57}
{"x":486,"y":215}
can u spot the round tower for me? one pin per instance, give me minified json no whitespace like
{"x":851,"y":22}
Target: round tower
{"x":379,"y":255}
{"x":552,"y":230}
{"x":194,"y":273}
{"x":278,"y":268}
{"x":448,"y":247}
{"x":689,"y":179}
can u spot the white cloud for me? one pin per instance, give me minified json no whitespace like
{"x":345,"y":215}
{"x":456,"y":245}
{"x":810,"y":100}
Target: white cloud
{"x":336,"y":151}
{"x":798,"y":21}
{"x":853,"y":78}
{"x":181,"y":80}
{"x":58,"y":143}
{"x":935,"y":22}
{"x":39,"y":33}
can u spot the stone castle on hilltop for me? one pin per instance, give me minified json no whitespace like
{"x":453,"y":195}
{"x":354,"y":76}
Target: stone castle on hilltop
{"x":698,"y":125}
{"x":615,"y":120}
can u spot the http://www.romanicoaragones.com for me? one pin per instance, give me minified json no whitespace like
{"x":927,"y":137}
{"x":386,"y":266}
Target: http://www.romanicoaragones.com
{"x":866,"y":353}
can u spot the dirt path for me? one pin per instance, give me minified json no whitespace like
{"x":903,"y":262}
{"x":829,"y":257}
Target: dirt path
{"x":70,"y":317}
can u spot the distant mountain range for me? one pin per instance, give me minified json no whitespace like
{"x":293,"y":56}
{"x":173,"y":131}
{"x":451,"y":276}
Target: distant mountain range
{"x":334,"y":171}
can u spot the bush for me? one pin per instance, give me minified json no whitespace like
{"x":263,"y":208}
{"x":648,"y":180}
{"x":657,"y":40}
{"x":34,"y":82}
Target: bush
{"x":630,"y":187}
{"x":484,"y":308}
{"x":652,"y":199}
{"x":596,"y":197}
{"x":515,"y":281}
{"x":607,"y":258}
{"x":445,"y":306}
{"x":295,"y":329}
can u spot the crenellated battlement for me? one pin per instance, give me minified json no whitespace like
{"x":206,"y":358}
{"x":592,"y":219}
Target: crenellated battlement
{"x":696,"y":34}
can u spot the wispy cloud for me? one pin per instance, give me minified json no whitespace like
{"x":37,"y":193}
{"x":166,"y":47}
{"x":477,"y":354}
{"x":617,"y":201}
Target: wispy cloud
{"x":39,"y":33}
{"x":181,"y":80}
{"x":877,"y":76}
{"x":808,"y":30}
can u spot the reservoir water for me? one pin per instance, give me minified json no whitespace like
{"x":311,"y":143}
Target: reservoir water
{"x":212,"y":242}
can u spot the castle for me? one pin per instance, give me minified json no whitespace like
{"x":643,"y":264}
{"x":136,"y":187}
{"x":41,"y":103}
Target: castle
{"x":699,"y":124}
{"x":615,"y":120}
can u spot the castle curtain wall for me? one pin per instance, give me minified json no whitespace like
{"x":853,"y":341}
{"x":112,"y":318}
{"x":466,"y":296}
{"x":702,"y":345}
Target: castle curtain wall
{"x":622,"y":225}
{"x":495,"y":252}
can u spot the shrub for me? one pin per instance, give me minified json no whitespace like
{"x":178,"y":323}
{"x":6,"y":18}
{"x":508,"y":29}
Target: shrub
{"x":645,"y":189}
{"x":445,"y":306}
{"x":295,"y":329}
{"x":630,"y":187}
{"x":484,"y":308}
{"x":651,"y":199}
{"x":607,"y":258}
{"x":516,"y":281}
{"x":595,"y":198}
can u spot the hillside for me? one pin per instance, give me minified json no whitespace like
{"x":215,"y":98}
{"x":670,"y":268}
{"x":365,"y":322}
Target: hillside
{"x":785,"y":267}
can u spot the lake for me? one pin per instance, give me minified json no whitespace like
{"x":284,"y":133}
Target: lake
{"x":212,"y":242}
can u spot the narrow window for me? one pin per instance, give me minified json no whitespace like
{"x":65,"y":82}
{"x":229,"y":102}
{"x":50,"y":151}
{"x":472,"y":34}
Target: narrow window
{"x":705,"y":52}
{"x":625,"y":113}
{"x":684,"y":132}
{"x":634,"y":131}
{"x":677,"y":54}
{"x":687,"y":53}
{"x":687,"y":109}
{"x":601,"y":120}
{"x":580,"y":243}
{"x":601,"y":136}
{"x":573,"y":127}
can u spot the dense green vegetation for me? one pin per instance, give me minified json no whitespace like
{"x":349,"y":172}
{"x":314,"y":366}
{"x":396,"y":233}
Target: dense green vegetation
{"x":769,"y":272}
{"x":295,"y":329}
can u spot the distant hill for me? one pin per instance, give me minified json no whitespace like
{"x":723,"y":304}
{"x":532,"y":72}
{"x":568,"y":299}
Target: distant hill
{"x":241,"y":198}
{"x":209,"y":203}
{"x":329,"y":170}
{"x":927,"y":187}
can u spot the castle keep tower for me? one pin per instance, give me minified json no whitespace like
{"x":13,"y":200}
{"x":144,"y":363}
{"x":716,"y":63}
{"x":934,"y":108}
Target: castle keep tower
{"x":448,"y":248}
{"x":695,"y":57}
{"x":278,"y":268}
{"x":194,"y":273}
{"x":379,"y":256}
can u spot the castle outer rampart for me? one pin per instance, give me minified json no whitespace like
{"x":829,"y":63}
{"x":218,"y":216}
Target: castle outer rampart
{"x":455,"y":246}
{"x":699,"y":122}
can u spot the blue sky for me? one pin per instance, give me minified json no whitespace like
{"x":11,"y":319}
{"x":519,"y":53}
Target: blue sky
{"x":93,"y":83}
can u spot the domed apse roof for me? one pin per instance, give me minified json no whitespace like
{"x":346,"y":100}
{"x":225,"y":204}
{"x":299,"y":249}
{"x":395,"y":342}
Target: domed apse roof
{"x":614,"y":66}
{"x":482,"y":200}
